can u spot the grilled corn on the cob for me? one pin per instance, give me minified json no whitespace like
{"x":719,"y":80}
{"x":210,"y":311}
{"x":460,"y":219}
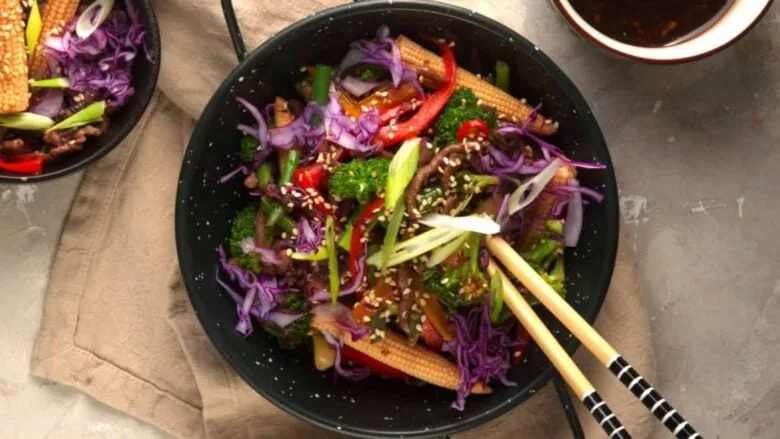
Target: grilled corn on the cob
{"x":55,"y":15}
{"x":14,"y":96}
{"x":415,"y":361}
{"x":431,"y":66}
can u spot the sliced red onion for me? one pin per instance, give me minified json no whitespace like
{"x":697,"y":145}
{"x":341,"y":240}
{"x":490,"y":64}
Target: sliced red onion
{"x":49,"y":103}
{"x":572,"y":227}
{"x":357,"y":87}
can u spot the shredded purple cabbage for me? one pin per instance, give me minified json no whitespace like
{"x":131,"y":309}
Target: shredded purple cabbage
{"x":102,"y":63}
{"x":501,"y":165}
{"x":548,"y":149}
{"x":299,"y":132}
{"x":382,"y":52}
{"x":263,"y":294}
{"x":309,"y":238}
{"x":482,"y":351}
{"x":350,"y":134}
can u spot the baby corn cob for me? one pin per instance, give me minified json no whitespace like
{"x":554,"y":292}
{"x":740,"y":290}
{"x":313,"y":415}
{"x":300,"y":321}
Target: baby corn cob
{"x":431,"y":66}
{"x":55,"y":15}
{"x":282,"y":114}
{"x":415,"y":361}
{"x":14,"y":96}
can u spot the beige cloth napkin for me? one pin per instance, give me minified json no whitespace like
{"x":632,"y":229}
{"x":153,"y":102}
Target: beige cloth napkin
{"x":118,"y":325}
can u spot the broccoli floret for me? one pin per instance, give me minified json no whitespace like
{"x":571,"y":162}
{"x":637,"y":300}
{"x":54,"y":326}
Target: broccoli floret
{"x":446,"y":286}
{"x":293,"y":335}
{"x":546,"y":257}
{"x":248,"y":148}
{"x":244,"y":227}
{"x":294,"y":302}
{"x":461,"y":108}
{"x":370,"y":72}
{"x":296,"y":333}
{"x":359,"y":179}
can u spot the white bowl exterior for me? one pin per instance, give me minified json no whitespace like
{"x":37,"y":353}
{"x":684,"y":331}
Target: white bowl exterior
{"x":740,"y":15}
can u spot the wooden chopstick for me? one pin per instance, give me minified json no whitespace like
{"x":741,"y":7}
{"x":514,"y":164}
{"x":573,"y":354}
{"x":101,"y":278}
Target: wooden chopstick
{"x":559,"y":358}
{"x":592,"y":340}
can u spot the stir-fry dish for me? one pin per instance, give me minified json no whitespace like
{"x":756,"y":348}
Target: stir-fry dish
{"x":65,"y":67}
{"x":372,"y":193}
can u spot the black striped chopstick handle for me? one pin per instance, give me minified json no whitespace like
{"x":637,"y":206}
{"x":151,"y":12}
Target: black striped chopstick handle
{"x":604,"y":416}
{"x":652,"y":400}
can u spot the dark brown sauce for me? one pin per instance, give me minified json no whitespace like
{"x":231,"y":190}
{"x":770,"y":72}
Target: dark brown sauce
{"x":650,"y":23}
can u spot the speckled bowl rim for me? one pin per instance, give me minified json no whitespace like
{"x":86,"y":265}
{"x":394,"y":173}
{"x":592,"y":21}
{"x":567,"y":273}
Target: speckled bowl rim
{"x":188,"y":173}
{"x":587,"y":35}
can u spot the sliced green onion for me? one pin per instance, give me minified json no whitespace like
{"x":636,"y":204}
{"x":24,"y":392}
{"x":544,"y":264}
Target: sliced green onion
{"x":26,"y":121}
{"x":333,"y":263}
{"x":320,"y":255}
{"x":555,"y":226}
{"x":473,"y":223}
{"x":528,"y":191}
{"x":91,"y":19}
{"x":502,"y":75}
{"x":442,"y":253}
{"x":402,"y":170}
{"x":412,"y":248}
{"x":34,"y":25}
{"x":50,"y":83}
{"x":496,"y":296}
{"x":391,"y":234}
{"x":89,"y":114}
{"x":346,"y":239}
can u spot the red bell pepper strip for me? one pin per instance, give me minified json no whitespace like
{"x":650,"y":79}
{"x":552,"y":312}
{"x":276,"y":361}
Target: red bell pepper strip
{"x":391,"y":135}
{"x":356,"y":247}
{"x":471,"y":129}
{"x":377,"y":367}
{"x":519,"y":350}
{"x":28,"y":166}
{"x":385,"y":116}
{"x":311,"y":176}
{"x":309,"y":179}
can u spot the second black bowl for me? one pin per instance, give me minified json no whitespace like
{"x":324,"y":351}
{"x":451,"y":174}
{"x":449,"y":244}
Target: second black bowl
{"x":145,"y":73}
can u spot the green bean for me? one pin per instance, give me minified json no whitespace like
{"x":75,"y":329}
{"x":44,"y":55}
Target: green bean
{"x":264,"y":176}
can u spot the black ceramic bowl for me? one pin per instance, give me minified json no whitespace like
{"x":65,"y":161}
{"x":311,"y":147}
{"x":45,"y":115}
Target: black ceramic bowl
{"x":204,"y":209}
{"x":145,"y":73}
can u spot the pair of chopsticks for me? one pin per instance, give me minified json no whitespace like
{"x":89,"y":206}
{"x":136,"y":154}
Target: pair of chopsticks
{"x":591,"y":339}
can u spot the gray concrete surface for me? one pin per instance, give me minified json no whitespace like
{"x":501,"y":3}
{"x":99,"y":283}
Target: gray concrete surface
{"x":696,"y":152}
